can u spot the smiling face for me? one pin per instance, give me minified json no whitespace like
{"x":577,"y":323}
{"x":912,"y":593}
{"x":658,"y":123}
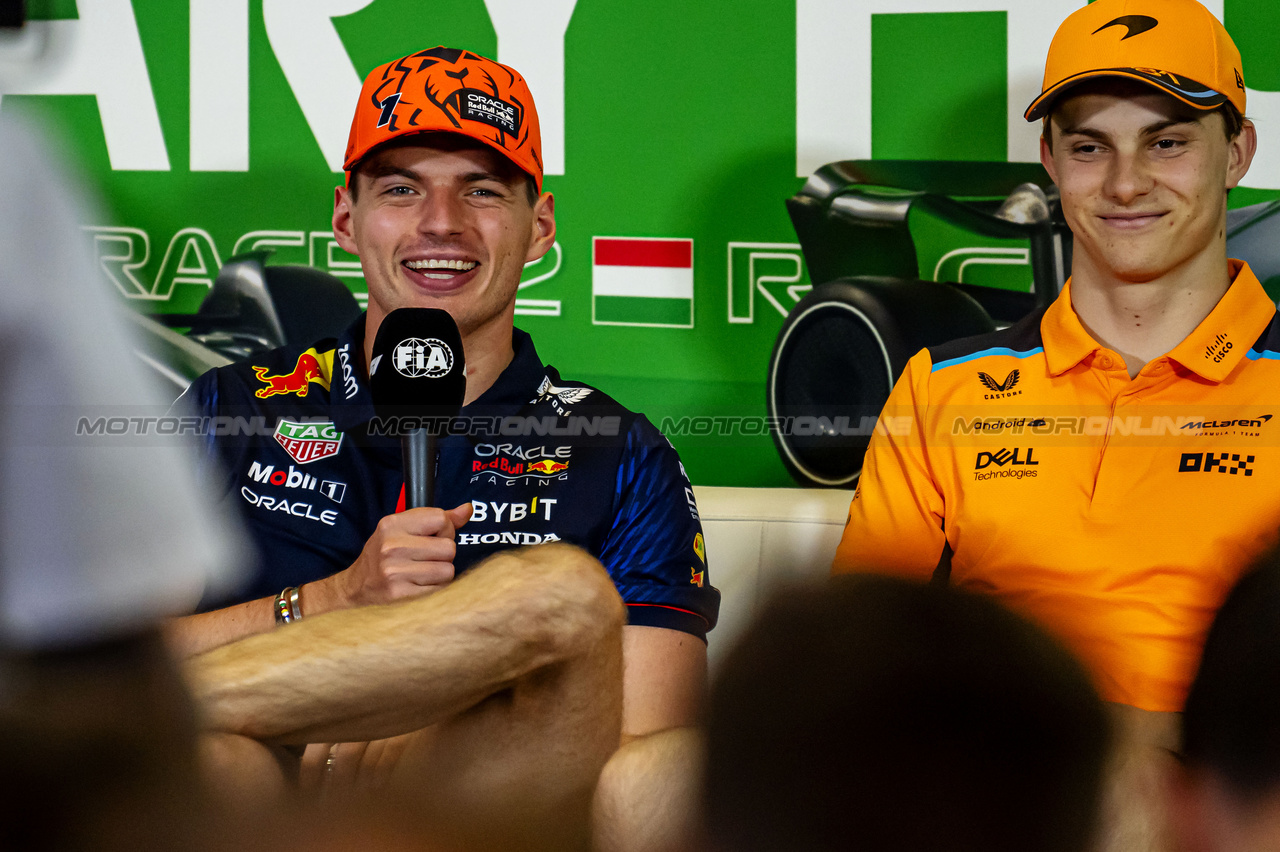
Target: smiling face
{"x":1143,"y":179}
{"x":443,"y":223}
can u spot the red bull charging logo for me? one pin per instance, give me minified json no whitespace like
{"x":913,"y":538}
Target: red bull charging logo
{"x":547,"y":466}
{"x":308,"y":369}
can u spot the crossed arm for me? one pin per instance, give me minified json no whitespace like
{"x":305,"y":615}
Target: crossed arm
{"x":410,"y":554}
{"x":379,"y":671}
{"x":545,"y":623}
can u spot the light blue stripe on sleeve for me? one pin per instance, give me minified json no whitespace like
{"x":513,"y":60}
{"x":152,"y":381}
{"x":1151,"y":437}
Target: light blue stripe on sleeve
{"x":1267,"y":354}
{"x":1002,"y":350}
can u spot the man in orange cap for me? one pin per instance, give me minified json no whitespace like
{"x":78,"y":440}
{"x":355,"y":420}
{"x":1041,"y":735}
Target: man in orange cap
{"x":1126,"y":479}
{"x":443,"y":203}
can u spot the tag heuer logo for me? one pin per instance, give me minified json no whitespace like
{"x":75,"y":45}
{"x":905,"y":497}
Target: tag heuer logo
{"x":307,"y":442}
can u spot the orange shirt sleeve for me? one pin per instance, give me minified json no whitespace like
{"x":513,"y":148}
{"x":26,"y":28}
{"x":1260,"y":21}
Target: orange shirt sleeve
{"x":896,"y":517}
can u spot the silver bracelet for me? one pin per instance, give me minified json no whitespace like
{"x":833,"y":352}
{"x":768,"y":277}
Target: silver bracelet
{"x":286,"y":606}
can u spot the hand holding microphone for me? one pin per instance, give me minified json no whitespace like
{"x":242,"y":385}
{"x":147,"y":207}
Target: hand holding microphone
{"x":417,"y":375}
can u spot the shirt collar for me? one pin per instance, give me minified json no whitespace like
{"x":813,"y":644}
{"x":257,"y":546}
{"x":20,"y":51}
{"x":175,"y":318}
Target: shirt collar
{"x":351,"y":402}
{"x":1223,"y":339}
{"x":518,"y":383}
{"x":1066,"y":343}
{"x":1225,"y":334}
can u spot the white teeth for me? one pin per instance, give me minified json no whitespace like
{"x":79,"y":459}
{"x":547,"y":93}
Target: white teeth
{"x":459,"y":265}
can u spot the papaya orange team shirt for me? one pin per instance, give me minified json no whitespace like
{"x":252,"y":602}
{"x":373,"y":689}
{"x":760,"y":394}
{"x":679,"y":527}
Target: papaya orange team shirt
{"x":1116,"y":512}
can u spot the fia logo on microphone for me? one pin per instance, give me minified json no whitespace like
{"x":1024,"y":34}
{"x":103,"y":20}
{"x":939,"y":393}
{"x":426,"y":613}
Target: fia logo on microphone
{"x":418,"y":358}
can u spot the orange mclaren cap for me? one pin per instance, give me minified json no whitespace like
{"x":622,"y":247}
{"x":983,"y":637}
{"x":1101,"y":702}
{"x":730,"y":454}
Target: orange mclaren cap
{"x":1175,"y":45}
{"x":449,"y":90}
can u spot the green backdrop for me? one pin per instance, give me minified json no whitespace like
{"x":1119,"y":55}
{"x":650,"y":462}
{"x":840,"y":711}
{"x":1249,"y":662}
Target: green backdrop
{"x":680,"y":119}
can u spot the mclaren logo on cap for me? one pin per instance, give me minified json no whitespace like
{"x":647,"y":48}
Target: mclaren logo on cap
{"x":1135,"y":24}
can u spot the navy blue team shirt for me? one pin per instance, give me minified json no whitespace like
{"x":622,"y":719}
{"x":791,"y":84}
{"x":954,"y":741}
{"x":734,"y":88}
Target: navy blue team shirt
{"x":312,"y":469}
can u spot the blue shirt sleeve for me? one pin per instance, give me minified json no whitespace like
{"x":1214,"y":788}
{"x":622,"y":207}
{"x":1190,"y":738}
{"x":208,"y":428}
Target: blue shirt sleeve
{"x":654,"y":550}
{"x":201,"y":399}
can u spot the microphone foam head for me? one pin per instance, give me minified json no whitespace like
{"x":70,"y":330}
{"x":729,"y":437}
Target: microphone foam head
{"x":417,"y":365}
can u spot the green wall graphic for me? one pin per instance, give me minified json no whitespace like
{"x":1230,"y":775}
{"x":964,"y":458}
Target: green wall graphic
{"x":211,"y":127}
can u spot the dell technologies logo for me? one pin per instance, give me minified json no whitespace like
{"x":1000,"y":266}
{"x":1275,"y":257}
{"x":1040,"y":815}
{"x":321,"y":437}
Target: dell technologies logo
{"x":1018,"y":465}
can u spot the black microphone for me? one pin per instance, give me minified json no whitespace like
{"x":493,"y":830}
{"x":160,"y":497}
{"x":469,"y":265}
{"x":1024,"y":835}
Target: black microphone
{"x":418,"y":371}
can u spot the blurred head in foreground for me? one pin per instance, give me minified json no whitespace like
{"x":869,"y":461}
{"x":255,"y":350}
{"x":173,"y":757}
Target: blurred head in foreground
{"x":1229,"y":798}
{"x":874,"y":713}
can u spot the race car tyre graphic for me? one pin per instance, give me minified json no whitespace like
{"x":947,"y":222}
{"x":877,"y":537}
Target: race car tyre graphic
{"x":254,"y":307}
{"x":312,"y":304}
{"x":837,"y":356}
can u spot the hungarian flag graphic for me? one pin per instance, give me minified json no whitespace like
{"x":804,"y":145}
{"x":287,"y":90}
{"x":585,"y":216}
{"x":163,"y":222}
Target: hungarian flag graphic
{"x":638,"y":281}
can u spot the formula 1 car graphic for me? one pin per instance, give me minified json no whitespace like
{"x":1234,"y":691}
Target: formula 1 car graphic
{"x":843,"y":345}
{"x":251,"y":308}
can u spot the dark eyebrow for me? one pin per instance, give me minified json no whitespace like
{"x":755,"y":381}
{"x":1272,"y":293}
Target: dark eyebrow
{"x":476,"y":177}
{"x":1149,"y":130}
{"x":377,"y":170}
{"x":1161,"y":126}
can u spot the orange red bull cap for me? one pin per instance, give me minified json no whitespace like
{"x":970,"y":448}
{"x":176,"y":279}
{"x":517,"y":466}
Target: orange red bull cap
{"x":448,"y":90}
{"x":1175,"y":45}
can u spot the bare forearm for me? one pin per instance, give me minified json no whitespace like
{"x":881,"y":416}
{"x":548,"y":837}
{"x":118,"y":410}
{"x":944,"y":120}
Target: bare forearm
{"x":664,"y":681}
{"x":380,"y":671}
{"x":1135,"y":816}
{"x":409,"y":554}
{"x":647,"y":797}
{"x":196,"y":634}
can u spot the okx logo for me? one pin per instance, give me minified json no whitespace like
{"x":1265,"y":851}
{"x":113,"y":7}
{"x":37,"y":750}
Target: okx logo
{"x":1231,"y":463}
{"x":1010,"y":464}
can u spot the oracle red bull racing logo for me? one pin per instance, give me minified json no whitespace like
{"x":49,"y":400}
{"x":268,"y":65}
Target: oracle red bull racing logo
{"x":513,"y":462}
{"x":307,"y":442}
{"x":308,"y":369}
